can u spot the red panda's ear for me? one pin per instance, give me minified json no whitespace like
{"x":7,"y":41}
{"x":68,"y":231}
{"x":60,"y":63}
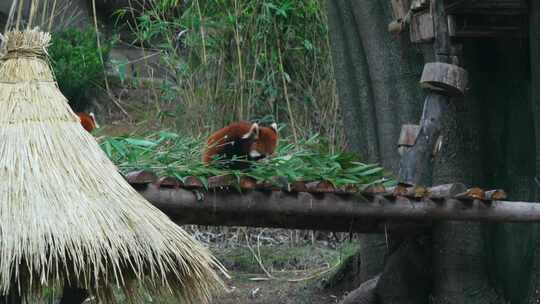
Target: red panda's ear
{"x":274,"y":126}
{"x":253,"y":132}
{"x":91,"y":114}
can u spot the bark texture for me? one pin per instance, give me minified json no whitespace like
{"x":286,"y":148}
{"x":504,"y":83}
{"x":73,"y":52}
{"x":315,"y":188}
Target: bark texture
{"x":490,"y":139}
{"x":534,"y":38}
{"x":377,"y":86}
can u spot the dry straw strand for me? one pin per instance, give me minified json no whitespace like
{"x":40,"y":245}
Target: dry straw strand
{"x":66,"y":214}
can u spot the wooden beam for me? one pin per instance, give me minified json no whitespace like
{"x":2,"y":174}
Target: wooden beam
{"x":327,"y":211}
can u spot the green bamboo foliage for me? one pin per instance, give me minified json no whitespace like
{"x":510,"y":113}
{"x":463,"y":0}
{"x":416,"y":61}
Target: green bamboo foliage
{"x":170,"y":154}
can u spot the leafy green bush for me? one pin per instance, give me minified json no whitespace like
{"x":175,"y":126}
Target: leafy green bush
{"x":77,"y":64}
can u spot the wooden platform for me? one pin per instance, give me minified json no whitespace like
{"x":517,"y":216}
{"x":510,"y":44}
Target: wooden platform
{"x":373,"y":210}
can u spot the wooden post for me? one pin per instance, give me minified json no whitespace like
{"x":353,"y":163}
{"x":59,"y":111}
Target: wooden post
{"x":416,"y":164}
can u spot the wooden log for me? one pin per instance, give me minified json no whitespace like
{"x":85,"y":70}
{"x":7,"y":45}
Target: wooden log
{"x":400,"y":190}
{"x":320,"y":187}
{"x":347,"y":189}
{"x":417,"y":192}
{"x":445,"y":78}
{"x":299,"y":186}
{"x":417,"y":162}
{"x":495,"y":195}
{"x":169,"y":182}
{"x":446,"y":190}
{"x":324,"y":212}
{"x":396,"y":27}
{"x":281,"y":183}
{"x":372,"y":190}
{"x":472,"y":194}
{"x":192,"y":182}
{"x":221,"y":181}
{"x":141,"y":177}
{"x":265,"y":185}
{"x":421,"y":28}
{"x":247,"y":183}
{"x":400,"y":8}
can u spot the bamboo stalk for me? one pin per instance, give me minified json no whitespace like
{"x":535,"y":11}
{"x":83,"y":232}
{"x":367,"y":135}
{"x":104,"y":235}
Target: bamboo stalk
{"x":33,"y":9}
{"x":19,"y":15}
{"x":285,"y":90}
{"x":52,"y":15}
{"x":44,"y":13}
{"x":11,"y":15}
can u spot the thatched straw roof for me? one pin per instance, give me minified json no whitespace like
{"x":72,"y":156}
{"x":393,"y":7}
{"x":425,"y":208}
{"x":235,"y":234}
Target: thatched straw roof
{"x":65,"y":212}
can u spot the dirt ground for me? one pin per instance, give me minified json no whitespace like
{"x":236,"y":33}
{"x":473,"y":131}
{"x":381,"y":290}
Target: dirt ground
{"x":299,"y":273}
{"x":273,"y":292}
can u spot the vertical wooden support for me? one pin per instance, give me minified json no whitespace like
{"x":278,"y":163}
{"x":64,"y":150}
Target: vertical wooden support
{"x":416,"y":164}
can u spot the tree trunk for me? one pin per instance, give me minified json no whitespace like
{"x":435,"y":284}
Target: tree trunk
{"x":490,"y":139}
{"x":378,"y":89}
{"x":534,"y":40}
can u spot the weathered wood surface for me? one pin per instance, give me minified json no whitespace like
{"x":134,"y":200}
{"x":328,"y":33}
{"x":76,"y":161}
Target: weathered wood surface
{"x":416,"y":162}
{"x":486,"y":6}
{"x":418,"y":5}
{"x":408,"y":135}
{"x":326,"y":212}
{"x":400,"y":8}
{"x":396,"y":27}
{"x":415,"y":167}
{"x":446,"y":78}
{"x":421,"y":27}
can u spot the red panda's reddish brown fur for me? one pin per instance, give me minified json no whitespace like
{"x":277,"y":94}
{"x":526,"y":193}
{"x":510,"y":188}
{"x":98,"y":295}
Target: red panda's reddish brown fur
{"x":88,"y":121}
{"x":243,"y":140}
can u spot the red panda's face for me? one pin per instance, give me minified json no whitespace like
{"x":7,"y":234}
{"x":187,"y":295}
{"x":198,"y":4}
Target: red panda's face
{"x":265,"y":143}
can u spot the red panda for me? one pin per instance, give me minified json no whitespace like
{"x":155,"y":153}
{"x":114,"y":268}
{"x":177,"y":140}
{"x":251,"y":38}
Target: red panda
{"x":242,"y":140}
{"x":88,"y":121}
